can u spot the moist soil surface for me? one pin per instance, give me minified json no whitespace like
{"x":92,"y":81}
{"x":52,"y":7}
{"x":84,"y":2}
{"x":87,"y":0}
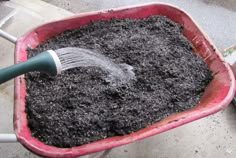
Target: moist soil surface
{"x":80,"y":106}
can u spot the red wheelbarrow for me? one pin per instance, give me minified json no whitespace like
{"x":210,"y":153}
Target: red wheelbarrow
{"x":218,"y":94}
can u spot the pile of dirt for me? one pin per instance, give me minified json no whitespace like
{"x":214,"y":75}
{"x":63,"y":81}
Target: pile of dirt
{"x":79,"y":106}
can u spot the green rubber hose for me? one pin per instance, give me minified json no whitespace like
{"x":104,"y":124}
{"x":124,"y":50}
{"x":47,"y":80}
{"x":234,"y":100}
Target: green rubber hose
{"x":43,"y":62}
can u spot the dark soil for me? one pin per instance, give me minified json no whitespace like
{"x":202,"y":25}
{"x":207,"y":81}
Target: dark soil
{"x":79,"y":106}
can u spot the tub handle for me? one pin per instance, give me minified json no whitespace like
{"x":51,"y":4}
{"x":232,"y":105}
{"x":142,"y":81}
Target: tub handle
{"x":8,"y":138}
{"x":7,"y":36}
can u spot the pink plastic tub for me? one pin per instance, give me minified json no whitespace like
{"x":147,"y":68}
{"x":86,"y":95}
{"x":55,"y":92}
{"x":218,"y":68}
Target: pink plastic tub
{"x":217,"y":95}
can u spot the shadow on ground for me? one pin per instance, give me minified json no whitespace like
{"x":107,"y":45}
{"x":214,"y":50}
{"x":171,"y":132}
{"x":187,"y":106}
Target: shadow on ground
{"x":228,"y":4}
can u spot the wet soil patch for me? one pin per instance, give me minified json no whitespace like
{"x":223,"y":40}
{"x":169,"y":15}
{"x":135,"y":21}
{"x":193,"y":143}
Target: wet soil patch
{"x":79,"y":106}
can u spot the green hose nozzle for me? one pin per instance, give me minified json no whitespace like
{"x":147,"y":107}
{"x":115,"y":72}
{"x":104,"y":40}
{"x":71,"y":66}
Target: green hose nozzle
{"x":47,"y":62}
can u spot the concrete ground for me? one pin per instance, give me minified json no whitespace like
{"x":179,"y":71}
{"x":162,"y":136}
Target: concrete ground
{"x":210,"y":137}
